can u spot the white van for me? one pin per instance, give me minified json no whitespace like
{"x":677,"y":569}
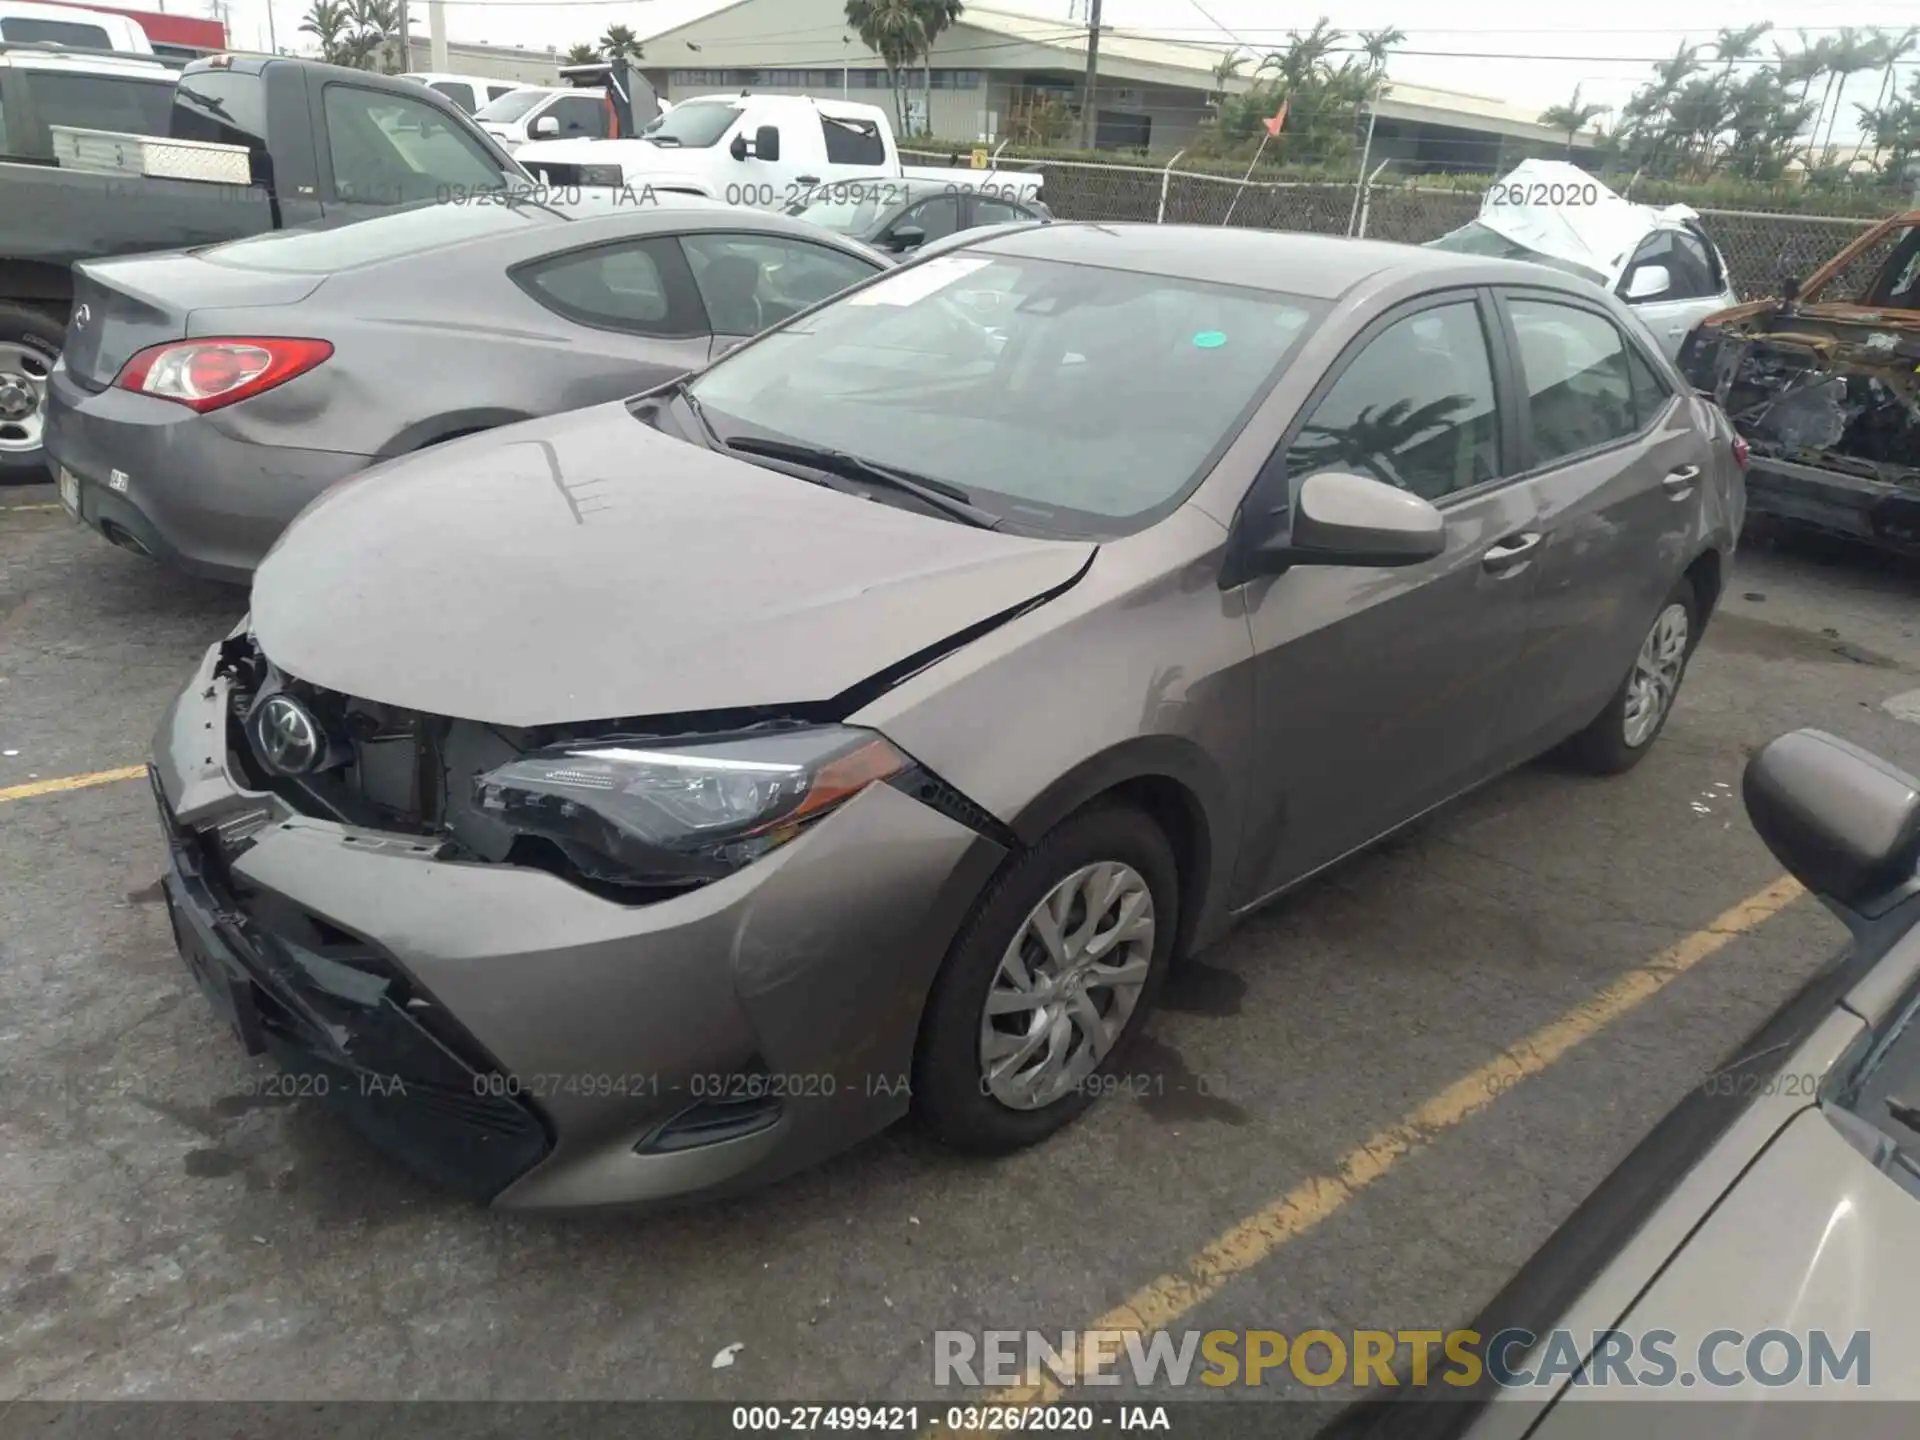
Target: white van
{"x":469,"y":92}
{"x":24,"y":23}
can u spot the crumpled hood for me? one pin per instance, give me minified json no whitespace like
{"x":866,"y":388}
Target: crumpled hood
{"x":586,"y":567}
{"x":1600,"y":236}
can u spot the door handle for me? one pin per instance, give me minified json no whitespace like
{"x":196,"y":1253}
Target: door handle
{"x":1509,"y":556}
{"x":1679,"y":484}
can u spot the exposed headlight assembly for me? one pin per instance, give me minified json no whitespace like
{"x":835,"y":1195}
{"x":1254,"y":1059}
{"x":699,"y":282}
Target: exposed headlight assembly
{"x":676,"y":813}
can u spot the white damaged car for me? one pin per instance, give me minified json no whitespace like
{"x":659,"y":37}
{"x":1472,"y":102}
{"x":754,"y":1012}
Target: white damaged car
{"x":1658,"y":260}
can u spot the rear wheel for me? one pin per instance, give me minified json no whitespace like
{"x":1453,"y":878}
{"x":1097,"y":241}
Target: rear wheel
{"x":29,"y":344}
{"x":1049,"y":983}
{"x":1624,"y":732}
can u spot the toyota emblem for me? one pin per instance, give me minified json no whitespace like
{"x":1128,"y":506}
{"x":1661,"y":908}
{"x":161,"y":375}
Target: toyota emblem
{"x":290,"y":738}
{"x":81,"y":316}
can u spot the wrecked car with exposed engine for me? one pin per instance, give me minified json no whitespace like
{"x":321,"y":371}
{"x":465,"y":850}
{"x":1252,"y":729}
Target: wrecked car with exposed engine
{"x":1823,"y":383}
{"x":653,"y":798}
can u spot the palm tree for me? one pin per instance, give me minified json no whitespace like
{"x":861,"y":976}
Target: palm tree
{"x":1852,"y":53}
{"x":936,"y":17}
{"x":1732,"y":45}
{"x":329,"y":23}
{"x":580,"y":55}
{"x":1376,"y":45}
{"x":1572,"y":117}
{"x":1892,"y":49}
{"x":891,"y":30}
{"x":620,"y":43}
{"x":374,"y":28}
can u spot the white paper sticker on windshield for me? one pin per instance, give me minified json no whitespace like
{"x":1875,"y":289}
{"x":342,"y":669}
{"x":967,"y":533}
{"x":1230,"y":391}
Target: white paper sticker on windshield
{"x":916,"y":282}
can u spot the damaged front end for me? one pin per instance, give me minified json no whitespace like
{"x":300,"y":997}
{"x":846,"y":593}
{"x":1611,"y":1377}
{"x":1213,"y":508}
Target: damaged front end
{"x":1827,"y":393}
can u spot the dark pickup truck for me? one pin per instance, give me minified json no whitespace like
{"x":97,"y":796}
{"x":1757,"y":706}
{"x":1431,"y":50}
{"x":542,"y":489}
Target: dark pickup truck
{"x":323,"y":145}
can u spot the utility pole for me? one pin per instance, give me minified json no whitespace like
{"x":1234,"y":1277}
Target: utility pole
{"x":437,"y":34}
{"x":273,"y":41}
{"x":406,"y":38}
{"x":1088,"y":117}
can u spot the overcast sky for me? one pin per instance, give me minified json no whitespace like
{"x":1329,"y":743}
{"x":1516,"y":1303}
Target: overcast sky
{"x":1472,"y":45}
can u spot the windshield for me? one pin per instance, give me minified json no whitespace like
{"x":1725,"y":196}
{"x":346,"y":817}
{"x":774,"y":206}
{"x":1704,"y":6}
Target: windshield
{"x":693,"y":126}
{"x":510,"y":106}
{"x":1474,"y":238}
{"x":1075,"y":399}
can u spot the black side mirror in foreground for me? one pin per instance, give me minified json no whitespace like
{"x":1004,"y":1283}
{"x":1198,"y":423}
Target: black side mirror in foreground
{"x":1844,"y":822}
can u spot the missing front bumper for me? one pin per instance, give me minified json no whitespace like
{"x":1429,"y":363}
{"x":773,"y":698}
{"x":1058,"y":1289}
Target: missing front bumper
{"x":334,"y":1010}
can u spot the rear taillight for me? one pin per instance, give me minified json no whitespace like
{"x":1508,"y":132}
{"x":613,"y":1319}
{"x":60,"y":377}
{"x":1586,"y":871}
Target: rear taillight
{"x":206,"y":374}
{"x":1740,"y":451}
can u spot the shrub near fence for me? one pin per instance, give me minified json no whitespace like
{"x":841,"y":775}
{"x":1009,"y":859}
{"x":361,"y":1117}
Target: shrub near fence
{"x":1756,"y":243}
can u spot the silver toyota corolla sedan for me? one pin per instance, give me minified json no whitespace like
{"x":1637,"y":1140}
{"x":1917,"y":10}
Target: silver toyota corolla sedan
{"x":204,"y":397}
{"x":656,"y":798}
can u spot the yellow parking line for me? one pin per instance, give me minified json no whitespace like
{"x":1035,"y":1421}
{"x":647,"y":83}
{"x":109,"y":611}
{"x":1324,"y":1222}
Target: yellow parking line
{"x":70,"y":782}
{"x":1173,"y":1296}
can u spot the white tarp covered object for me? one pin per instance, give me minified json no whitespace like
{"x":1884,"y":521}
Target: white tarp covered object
{"x":1558,"y":209}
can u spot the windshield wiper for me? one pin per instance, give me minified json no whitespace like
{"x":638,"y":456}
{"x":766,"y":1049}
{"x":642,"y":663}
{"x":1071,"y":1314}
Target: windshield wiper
{"x":949,"y":500}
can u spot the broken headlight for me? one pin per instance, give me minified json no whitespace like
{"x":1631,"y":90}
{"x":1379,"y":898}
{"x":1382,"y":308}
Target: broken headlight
{"x":675,"y":813}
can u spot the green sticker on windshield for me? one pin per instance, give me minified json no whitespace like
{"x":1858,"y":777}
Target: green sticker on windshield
{"x":1210,"y":339}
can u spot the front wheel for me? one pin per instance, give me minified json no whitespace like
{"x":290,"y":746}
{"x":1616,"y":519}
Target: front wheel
{"x":29,"y":344}
{"x":1622,"y":734}
{"x":1049,"y":983}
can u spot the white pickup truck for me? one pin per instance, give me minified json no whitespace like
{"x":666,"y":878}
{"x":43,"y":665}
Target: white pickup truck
{"x":763,"y":151}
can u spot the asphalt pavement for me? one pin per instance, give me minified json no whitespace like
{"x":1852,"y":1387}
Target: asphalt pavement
{"x":170,"y":1227}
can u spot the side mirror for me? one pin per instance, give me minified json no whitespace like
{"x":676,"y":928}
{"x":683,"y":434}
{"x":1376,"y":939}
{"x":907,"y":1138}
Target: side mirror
{"x":545,"y":127}
{"x":766,"y":143}
{"x":1649,"y":282}
{"x":906,"y":237}
{"x":1344,"y":519}
{"x":1789,"y":288}
{"x":1844,"y":822}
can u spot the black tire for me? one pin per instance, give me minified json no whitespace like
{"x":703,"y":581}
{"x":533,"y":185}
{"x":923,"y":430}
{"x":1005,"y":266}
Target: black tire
{"x":1602,"y":748}
{"x":950,"y":1095}
{"x":43,"y":333}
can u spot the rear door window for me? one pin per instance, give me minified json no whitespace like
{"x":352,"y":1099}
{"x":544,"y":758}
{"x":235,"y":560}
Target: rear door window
{"x":852,"y":142}
{"x":454,"y":90}
{"x":125,"y":103}
{"x":221,"y":108}
{"x":1575,"y":376}
{"x":387,"y":149}
{"x":581,"y":117}
{"x":749,"y":282}
{"x":998,"y":212}
{"x":23,"y":31}
{"x":637,"y":286}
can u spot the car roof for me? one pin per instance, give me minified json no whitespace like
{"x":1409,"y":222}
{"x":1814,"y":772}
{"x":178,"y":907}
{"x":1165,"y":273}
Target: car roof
{"x":1322,"y":267}
{"x":430,"y":232}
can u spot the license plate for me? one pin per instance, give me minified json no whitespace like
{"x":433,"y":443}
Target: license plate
{"x":70,"y":491}
{"x":230,"y":997}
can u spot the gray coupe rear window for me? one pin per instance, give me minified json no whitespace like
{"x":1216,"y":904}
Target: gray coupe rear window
{"x":385,"y":237}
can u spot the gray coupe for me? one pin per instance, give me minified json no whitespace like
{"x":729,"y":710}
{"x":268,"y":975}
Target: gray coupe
{"x":204,"y":397}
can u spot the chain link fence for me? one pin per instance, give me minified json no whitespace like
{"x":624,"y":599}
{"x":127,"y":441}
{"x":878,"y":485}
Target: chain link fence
{"x":1757,"y":244}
